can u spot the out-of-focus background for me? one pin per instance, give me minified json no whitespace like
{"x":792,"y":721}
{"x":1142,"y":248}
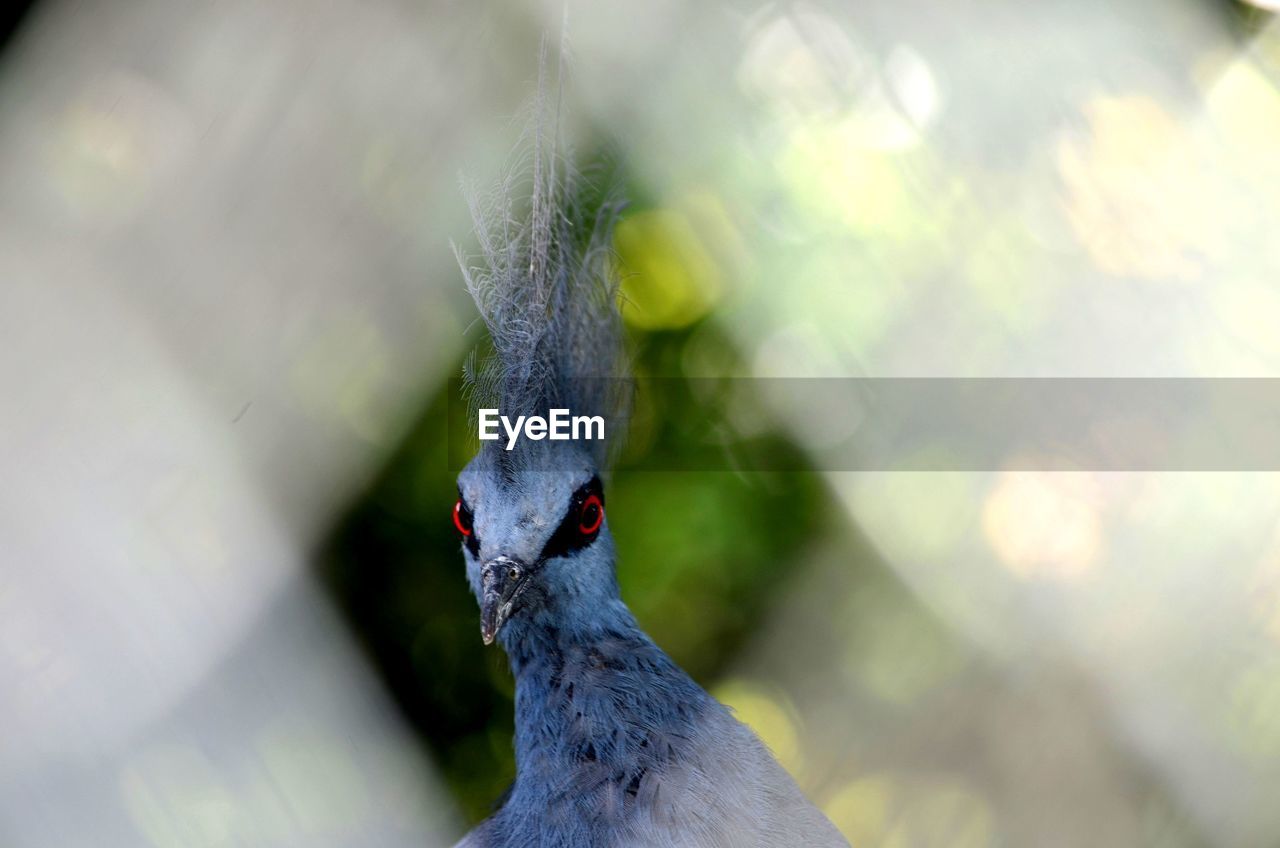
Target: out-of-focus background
{"x":232,"y":610}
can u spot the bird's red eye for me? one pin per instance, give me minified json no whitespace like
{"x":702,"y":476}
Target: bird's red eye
{"x":462,"y":518}
{"x":591,"y":516}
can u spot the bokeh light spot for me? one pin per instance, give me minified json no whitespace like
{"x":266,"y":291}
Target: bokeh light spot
{"x":862,"y":810}
{"x":1044,"y":524}
{"x":769,"y":716}
{"x":1138,"y":193}
{"x":670,"y":277}
{"x":1245,"y":107}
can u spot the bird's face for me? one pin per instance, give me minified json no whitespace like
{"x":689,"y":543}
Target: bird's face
{"x":535,"y":542}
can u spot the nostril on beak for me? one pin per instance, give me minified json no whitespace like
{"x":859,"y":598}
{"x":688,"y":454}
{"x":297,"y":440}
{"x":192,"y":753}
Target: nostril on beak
{"x":502,"y":569}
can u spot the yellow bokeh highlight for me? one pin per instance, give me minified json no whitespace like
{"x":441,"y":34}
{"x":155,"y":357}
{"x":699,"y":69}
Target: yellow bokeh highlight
{"x":1245,"y":108}
{"x":1138,"y":193}
{"x":836,"y":179}
{"x":671,"y":276}
{"x":878,"y":811}
{"x":769,"y":715}
{"x":863,"y":810}
{"x":1044,"y":524}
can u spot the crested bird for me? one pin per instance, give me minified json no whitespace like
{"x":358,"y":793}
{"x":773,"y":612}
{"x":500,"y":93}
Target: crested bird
{"x":615,"y":744}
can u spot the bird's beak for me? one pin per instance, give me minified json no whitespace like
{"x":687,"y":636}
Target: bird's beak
{"x":501,"y":581}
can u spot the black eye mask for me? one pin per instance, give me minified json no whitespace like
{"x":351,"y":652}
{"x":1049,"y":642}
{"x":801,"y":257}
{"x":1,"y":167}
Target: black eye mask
{"x":464,"y":522}
{"x":581,"y":523}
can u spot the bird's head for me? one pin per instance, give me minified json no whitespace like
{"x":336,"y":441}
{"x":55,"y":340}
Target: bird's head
{"x":534,"y":535}
{"x":535,"y":541}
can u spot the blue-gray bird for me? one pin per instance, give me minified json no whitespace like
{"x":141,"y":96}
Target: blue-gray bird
{"x":615,"y":745}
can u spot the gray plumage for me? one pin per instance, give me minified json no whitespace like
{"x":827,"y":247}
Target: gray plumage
{"x":615,"y":745}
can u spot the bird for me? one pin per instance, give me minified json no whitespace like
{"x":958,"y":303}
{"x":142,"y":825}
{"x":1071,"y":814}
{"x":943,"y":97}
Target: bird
{"x":615,"y":745}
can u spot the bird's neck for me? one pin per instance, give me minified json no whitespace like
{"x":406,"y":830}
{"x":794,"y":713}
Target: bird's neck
{"x":537,"y":646}
{"x":570,"y":675}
